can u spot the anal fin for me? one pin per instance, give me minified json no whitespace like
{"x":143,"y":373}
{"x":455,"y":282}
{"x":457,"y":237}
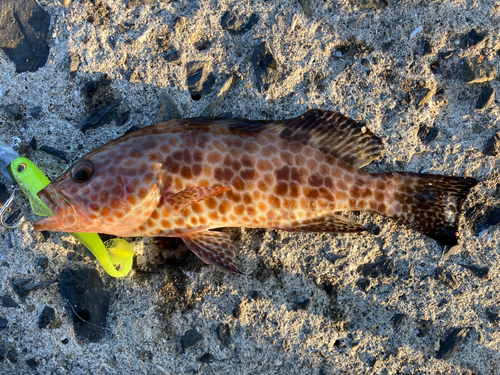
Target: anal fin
{"x":325,"y":223}
{"x":215,"y":248}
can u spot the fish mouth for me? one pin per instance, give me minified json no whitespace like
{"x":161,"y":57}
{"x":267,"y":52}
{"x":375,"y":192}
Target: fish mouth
{"x":66,"y":215}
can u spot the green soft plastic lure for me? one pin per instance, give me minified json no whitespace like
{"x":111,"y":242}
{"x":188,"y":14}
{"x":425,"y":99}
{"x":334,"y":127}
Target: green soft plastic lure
{"x":113,"y":252}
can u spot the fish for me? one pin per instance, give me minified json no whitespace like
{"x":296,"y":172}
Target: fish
{"x":186,"y":177}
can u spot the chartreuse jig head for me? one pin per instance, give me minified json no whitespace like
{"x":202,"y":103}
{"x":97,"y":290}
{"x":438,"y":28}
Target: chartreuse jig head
{"x":113,"y":252}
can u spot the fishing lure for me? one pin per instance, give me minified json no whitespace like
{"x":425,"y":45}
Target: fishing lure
{"x":110,"y":254}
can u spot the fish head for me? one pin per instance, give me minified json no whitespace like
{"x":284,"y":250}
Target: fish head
{"x":105,"y":192}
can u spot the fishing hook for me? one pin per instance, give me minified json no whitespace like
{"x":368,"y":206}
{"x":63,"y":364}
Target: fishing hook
{"x":7,"y":206}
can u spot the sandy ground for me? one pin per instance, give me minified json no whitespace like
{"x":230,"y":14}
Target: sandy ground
{"x":362,"y":62}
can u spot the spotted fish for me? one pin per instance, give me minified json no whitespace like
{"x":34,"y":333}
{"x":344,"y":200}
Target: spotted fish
{"x":184,"y":177}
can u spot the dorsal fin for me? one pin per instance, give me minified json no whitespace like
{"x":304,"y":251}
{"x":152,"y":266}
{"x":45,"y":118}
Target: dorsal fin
{"x":331,"y":132}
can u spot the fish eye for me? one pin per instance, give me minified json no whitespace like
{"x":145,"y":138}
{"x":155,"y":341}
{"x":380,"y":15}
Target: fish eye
{"x":83,"y":171}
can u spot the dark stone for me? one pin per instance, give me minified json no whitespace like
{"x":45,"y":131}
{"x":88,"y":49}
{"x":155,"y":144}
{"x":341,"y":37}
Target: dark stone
{"x":131,"y":129}
{"x":190,"y":339}
{"x":481,"y":272}
{"x":32,"y":363}
{"x":13,"y":111}
{"x":199,"y":80}
{"x":364,"y":284}
{"x":382,"y":266}
{"x":42,"y":262}
{"x":168,"y":109}
{"x":485,"y":98}
{"x":65,"y":341}
{"x":3,"y":322}
{"x":492,"y":146}
{"x":91,"y":88}
{"x":23,"y":286}
{"x":482,"y":218}
{"x":74,"y":63}
{"x":492,"y":316}
{"x":24,"y":34}
{"x":8,"y":301}
{"x":307,"y":6}
{"x":397,"y":320}
{"x":443,"y":302}
{"x":478,"y":71}
{"x":4,"y":194}
{"x":173,"y":56}
{"x":255,"y":295}
{"x":87,"y":300}
{"x":236,"y":24}
{"x":2,"y":354}
{"x":104,"y":115}
{"x":236,"y":312}
{"x":471,"y":39}
{"x":202,"y":44}
{"x":73,"y":256}
{"x":423,"y":327}
{"x":451,"y":343}
{"x":11,"y":355}
{"x":336,"y":258}
{"x":304,"y":304}
{"x":206,"y":358}
{"x":46,"y":317}
{"x":54,"y":151}
{"x":370,"y":3}
{"x":423,"y":47}
{"x":143,"y":266}
{"x":35,"y":112}
{"x":224,"y":334}
{"x":446,"y":278}
{"x":146,"y":355}
{"x":427,"y":134}
{"x":266,"y":68}
{"x":33,"y":143}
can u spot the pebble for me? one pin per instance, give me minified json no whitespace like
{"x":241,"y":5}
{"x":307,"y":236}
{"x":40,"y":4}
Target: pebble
{"x":46,"y":317}
{"x":143,"y":266}
{"x":42,"y":262}
{"x":236,"y":24}
{"x":168,"y":109}
{"x":255,"y":295}
{"x":2,"y":354}
{"x":3,"y":322}
{"x":199,"y":79}
{"x":13,"y":111}
{"x":74,"y":64}
{"x":206,"y":358}
{"x":471,"y":39}
{"x":224,"y":334}
{"x":173,"y":56}
{"x":54,"y":152}
{"x":84,"y":292}
{"x":23,"y":286}
{"x":266,"y":68}
{"x":35,"y":112}
{"x":221,"y":95}
{"x":24,"y":34}
{"x":236,"y":312}
{"x":11,"y":355}
{"x":104,"y":115}
{"x":32,"y":363}
{"x":307,"y":6}
{"x":428,"y":134}
{"x":364,"y":284}
{"x":416,"y":31}
{"x":398,"y":319}
{"x":447,"y":278}
{"x":485,"y":98}
{"x":33,"y":143}
{"x":478,"y":71}
{"x":483,"y":217}
{"x":423,"y":327}
{"x":330,"y":290}
{"x":366,"y":4}
{"x":481,"y":272}
{"x":190,"y":339}
{"x":493,"y":316}
{"x":492,"y":147}
{"x":450,"y":344}
{"x":8,"y":301}
{"x":304,"y":304}
{"x":382,"y":266}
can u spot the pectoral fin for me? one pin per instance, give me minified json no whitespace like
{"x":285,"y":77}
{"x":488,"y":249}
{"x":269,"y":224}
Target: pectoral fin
{"x":215,"y":248}
{"x":189,"y":196}
{"x":325,"y":223}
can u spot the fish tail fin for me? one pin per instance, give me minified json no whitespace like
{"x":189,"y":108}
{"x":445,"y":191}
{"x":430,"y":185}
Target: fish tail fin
{"x":427,"y":203}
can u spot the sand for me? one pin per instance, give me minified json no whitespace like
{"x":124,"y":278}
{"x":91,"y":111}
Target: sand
{"x":362,"y":62}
